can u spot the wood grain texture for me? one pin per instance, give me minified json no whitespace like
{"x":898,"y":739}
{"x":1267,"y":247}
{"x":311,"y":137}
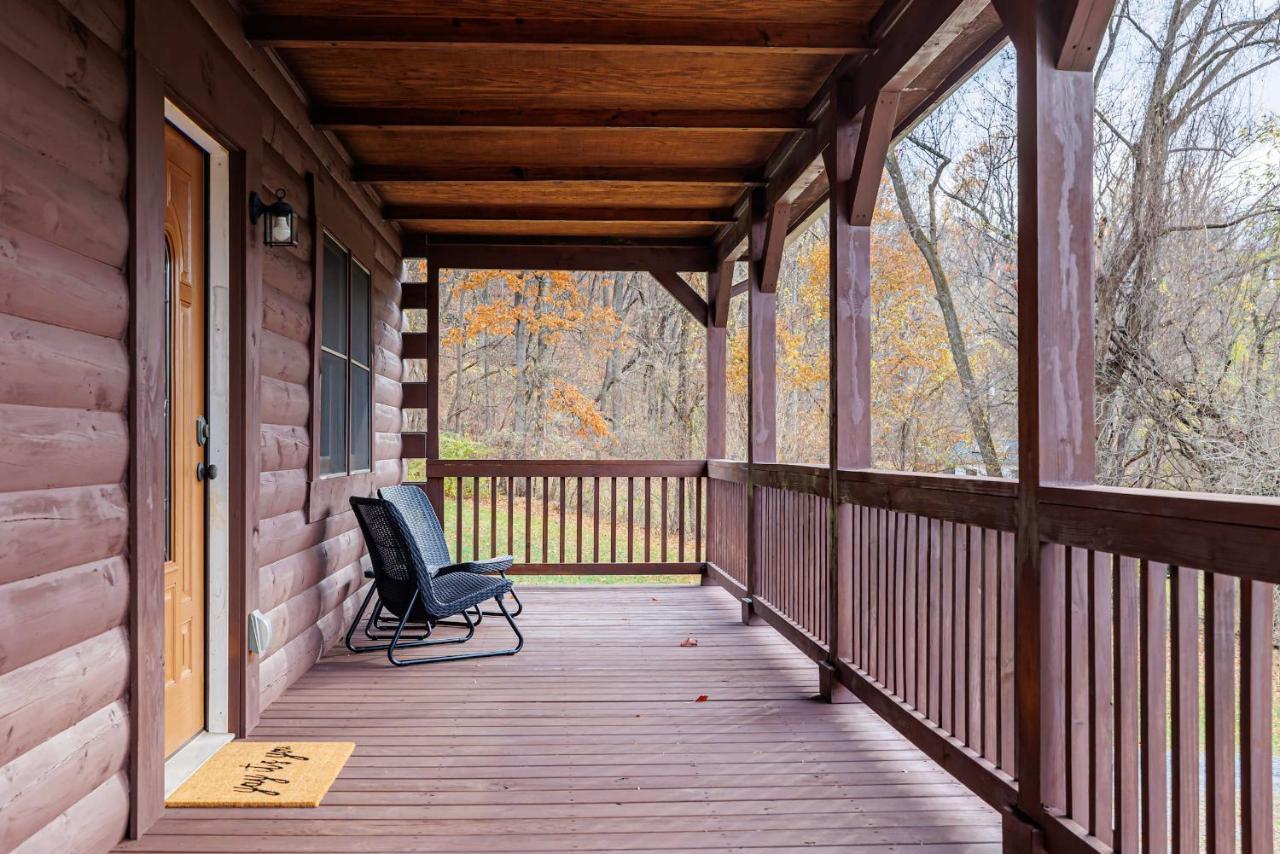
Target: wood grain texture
{"x":567,"y":746}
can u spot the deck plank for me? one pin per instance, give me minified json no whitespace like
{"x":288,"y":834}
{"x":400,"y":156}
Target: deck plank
{"x":593,"y":739}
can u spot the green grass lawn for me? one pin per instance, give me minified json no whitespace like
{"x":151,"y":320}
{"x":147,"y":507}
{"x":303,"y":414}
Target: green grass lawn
{"x":490,"y":538}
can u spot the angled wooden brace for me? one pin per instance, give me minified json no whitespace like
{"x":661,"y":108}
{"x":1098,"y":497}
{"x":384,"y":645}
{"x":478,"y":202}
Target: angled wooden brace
{"x":720,"y":289}
{"x":874,"y":139}
{"x":683,"y":292}
{"x":777,"y":217}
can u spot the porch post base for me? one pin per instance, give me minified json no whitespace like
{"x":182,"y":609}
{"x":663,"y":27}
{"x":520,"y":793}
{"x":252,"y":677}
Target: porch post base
{"x":1021,"y":835}
{"x":749,"y":615}
{"x":705,"y":580}
{"x":830,"y":688}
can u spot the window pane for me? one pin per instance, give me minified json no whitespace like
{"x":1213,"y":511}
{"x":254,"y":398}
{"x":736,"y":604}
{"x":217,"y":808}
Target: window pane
{"x":359,"y":314}
{"x":361,"y":428}
{"x":333,"y":303}
{"x":333,"y":414}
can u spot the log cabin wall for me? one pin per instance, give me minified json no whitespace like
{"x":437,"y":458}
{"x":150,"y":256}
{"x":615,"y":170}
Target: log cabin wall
{"x":65,"y":384}
{"x":64,"y":433}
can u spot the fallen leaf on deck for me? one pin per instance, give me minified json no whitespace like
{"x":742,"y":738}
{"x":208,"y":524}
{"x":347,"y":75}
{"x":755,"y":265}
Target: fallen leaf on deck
{"x":702,"y":698}
{"x":689,"y":641}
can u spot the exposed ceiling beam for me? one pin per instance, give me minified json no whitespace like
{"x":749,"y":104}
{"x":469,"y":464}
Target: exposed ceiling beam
{"x":549,"y":213}
{"x":371,"y":174}
{"x":410,"y":31}
{"x":504,"y":253}
{"x":683,"y":293}
{"x":746,"y":121}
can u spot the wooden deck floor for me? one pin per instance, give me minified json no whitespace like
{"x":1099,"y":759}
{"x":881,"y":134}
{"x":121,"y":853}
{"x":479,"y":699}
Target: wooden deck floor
{"x":593,"y":739}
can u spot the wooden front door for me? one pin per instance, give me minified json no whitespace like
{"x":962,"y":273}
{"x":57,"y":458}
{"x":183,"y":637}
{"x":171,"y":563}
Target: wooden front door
{"x":184,"y":568}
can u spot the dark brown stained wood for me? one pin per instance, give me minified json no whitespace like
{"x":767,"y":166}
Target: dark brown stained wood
{"x":557,"y":147}
{"x":548,"y":213}
{"x":1083,"y":30}
{"x":1055,"y":370}
{"x":1184,"y":714}
{"x":874,"y":139}
{"x":503,"y":254}
{"x":1257,"y":616}
{"x":683,"y":292}
{"x":431,"y":448}
{"x":1220,"y":703}
{"x":147,"y":430}
{"x":505,"y":175}
{"x":416,"y":395}
{"x":315,"y":31}
{"x":776,"y":220}
{"x":748,"y":121}
{"x":1153,"y":789}
{"x":573,"y":468}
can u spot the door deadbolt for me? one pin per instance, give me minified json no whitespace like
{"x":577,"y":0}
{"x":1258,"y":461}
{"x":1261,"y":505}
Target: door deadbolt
{"x":202,"y":431}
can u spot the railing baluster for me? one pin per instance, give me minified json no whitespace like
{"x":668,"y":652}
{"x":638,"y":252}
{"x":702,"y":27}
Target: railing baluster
{"x":648,"y":508}
{"x":1184,"y":713}
{"x":1154,"y":780}
{"x":546,"y":519}
{"x":475,"y":518}
{"x":666,"y":511}
{"x":1220,"y":695}
{"x":1075,"y":608}
{"x":990,"y":644}
{"x":1257,"y":812}
{"x":511,"y":516}
{"x":631,"y":518}
{"x":1127,"y":608}
{"x":528,"y":519}
{"x":595,"y":519}
{"x":613,"y":520}
{"x":697,"y":522}
{"x":493,"y":517}
{"x":457,"y":517}
{"x":1100,"y":693}
{"x":577,"y":550}
{"x":563,"y":503}
{"x":680,"y":523}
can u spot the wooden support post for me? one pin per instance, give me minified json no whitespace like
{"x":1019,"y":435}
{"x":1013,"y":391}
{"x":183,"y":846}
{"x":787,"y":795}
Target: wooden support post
{"x":435,"y":485}
{"x":854,"y":159}
{"x":1055,"y":375}
{"x":718,"y":283}
{"x":762,"y":308}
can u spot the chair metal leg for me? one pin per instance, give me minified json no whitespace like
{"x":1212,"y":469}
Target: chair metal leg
{"x":401,"y":662}
{"x":519,"y":604}
{"x":375,"y":631}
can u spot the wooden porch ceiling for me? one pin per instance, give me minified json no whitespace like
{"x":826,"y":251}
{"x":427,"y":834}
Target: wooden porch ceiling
{"x":627,"y":123}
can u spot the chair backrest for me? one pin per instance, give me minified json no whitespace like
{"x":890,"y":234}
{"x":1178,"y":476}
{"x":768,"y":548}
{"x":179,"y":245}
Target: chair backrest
{"x":398,"y":571}
{"x":422,"y":521}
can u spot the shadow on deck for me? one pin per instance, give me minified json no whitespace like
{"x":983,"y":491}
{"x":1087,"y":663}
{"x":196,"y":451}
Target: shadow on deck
{"x":593,"y":739}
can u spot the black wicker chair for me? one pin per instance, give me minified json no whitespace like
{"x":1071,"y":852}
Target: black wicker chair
{"x":417,"y":594}
{"x":423,"y":523}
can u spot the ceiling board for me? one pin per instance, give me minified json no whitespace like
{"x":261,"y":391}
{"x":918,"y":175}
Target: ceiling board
{"x":475,"y":78}
{"x":559,"y":147}
{"x":561,"y":193}
{"x":799,"y":11}
{"x":527,"y":228}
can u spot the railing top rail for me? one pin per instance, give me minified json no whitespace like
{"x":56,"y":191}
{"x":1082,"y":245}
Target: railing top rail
{"x":565,"y":468}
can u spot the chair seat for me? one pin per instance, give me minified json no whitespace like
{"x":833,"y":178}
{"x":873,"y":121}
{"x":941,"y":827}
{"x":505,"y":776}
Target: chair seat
{"x":458,"y":591}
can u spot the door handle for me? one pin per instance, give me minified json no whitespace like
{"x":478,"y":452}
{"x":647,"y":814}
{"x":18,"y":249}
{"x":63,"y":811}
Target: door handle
{"x":206,"y":471}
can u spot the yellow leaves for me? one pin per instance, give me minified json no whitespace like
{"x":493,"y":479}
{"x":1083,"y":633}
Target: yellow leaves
{"x":569,"y":401}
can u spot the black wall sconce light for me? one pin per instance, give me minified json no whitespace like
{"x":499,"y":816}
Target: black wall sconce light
{"x":278,"y":228}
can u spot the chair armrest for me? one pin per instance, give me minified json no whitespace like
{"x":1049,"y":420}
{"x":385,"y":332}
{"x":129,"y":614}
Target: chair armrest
{"x":484,"y":567}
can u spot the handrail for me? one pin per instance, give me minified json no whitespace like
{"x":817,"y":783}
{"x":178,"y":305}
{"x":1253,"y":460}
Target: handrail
{"x":566,"y":468}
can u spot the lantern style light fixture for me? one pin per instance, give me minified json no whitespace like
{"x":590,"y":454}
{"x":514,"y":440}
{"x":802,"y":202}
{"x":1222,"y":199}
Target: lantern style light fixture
{"x":278,"y":227}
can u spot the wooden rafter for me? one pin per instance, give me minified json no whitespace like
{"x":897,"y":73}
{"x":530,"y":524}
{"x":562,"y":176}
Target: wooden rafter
{"x":497,"y":252}
{"x":683,"y":293}
{"x":404,"y":31}
{"x":747,"y":121}
{"x":372,"y":174}
{"x":549,"y":213}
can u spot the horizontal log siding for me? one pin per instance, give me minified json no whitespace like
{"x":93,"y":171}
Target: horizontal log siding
{"x":310,"y":573}
{"x":64,"y":448}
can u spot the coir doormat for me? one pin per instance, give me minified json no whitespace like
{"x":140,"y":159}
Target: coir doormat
{"x":265,"y":774}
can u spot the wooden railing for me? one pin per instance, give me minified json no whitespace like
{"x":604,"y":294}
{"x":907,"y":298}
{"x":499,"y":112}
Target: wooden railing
{"x":1137,"y":648}
{"x":575,"y":517}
